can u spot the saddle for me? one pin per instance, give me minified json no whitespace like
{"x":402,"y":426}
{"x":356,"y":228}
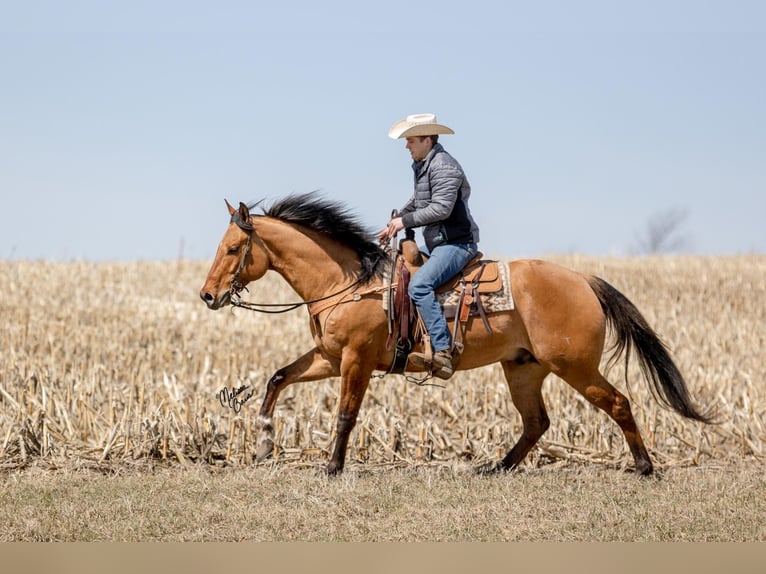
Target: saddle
{"x":460,"y":298}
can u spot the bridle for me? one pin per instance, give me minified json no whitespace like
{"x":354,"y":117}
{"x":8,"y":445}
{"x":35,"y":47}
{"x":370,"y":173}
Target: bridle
{"x":236,"y":287}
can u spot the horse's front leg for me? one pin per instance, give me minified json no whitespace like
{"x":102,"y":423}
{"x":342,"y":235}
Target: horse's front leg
{"x":312,"y":366}
{"x":355,"y":377}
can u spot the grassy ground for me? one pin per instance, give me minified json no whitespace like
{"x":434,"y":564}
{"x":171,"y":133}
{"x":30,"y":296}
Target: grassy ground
{"x":111,"y":427}
{"x":414,"y":504}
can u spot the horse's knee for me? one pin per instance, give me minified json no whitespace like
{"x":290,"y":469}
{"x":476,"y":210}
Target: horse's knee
{"x":276,"y":379}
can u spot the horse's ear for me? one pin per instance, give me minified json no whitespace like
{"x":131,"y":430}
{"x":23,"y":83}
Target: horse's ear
{"x":231,"y":209}
{"x":244,"y":213}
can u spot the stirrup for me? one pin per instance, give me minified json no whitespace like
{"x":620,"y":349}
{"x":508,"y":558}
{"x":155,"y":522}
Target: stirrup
{"x":438,"y":368}
{"x":445,"y":369}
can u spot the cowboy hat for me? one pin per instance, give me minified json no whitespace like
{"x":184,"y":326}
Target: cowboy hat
{"x":417,"y":125}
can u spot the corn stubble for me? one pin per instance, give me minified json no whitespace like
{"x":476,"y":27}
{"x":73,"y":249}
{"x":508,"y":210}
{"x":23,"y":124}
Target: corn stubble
{"x":111,"y":365}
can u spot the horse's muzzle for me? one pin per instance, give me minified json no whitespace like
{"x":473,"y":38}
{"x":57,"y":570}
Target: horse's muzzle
{"x":213,"y":302}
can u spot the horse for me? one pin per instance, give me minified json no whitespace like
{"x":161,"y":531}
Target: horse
{"x":558,"y":324}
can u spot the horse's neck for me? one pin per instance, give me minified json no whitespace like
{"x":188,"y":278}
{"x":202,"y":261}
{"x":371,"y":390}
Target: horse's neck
{"x":312,"y":264}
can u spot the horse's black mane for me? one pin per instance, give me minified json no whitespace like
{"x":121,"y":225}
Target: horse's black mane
{"x":335,"y":220}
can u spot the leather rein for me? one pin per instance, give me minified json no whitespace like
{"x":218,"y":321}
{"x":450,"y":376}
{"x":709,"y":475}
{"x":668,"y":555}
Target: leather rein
{"x":236,"y":287}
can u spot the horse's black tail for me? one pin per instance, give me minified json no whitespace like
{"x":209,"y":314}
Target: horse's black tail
{"x":632,"y":331}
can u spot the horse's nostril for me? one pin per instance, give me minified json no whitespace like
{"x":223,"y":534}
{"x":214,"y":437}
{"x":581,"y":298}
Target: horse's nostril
{"x":207,"y":297}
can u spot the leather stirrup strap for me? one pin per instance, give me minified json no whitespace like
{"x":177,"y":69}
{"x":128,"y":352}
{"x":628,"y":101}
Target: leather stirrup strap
{"x":477,"y":298}
{"x":428,"y":352}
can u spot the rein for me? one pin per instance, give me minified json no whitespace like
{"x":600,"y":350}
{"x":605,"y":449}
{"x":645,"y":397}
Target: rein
{"x":236,"y":287}
{"x":236,"y":301}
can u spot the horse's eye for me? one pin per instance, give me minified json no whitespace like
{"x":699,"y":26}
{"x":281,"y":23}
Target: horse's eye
{"x":233,"y":250}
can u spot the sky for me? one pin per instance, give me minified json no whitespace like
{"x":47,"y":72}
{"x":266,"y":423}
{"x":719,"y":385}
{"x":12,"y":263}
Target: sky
{"x":125,"y":125}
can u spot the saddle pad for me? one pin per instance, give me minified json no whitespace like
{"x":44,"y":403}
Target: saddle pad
{"x":499,"y":300}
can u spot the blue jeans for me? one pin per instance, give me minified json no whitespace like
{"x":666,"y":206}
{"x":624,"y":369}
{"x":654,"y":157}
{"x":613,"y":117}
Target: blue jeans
{"x":444,"y":263}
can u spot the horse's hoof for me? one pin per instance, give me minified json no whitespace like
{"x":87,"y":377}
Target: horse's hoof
{"x":333,"y":469}
{"x":648,"y":471}
{"x":488,"y":469}
{"x":644,"y":469}
{"x":264,"y":451}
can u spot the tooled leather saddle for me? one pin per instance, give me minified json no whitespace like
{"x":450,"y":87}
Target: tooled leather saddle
{"x":479,"y":276}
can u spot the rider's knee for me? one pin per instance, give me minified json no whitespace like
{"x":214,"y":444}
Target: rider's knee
{"x":417,"y":291}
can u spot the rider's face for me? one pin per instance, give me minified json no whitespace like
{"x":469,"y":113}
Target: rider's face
{"x":419,"y":147}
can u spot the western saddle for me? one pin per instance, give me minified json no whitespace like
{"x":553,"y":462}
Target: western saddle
{"x":405,"y":327}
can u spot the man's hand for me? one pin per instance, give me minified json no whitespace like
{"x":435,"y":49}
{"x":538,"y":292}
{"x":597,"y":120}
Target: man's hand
{"x":394,"y":226}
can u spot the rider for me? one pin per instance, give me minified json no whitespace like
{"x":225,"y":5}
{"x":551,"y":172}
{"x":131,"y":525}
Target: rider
{"x":440,"y":206}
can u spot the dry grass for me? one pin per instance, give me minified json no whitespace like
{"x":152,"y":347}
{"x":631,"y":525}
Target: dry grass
{"x":379,"y":504}
{"x":116,"y":368}
{"x":106,"y":364}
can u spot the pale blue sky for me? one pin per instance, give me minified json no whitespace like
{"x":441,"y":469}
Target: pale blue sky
{"x":124,"y":125}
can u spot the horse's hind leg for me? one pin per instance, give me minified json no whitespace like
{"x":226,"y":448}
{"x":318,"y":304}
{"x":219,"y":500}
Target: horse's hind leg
{"x":594,"y":387}
{"x":525,"y":382}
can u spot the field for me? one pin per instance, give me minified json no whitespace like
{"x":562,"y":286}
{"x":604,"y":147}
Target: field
{"x":110,"y":380}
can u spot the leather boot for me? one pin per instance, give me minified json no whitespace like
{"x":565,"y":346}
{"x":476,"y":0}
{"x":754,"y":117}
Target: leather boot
{"x":440,"y":366}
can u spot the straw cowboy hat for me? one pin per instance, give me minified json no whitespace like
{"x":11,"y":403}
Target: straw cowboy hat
{"x":417,"y":125}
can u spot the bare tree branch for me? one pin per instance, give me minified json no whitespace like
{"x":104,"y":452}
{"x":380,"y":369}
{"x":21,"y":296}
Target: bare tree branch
{"x":662,"y":233}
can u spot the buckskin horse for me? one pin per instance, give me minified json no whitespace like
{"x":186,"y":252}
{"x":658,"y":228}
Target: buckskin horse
{"x":558,"y":324}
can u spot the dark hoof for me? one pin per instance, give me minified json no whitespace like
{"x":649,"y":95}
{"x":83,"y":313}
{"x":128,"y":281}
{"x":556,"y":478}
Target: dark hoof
{"x":489,"y":469}
{"x":645,"y":469}
{"x":333,"y":469}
